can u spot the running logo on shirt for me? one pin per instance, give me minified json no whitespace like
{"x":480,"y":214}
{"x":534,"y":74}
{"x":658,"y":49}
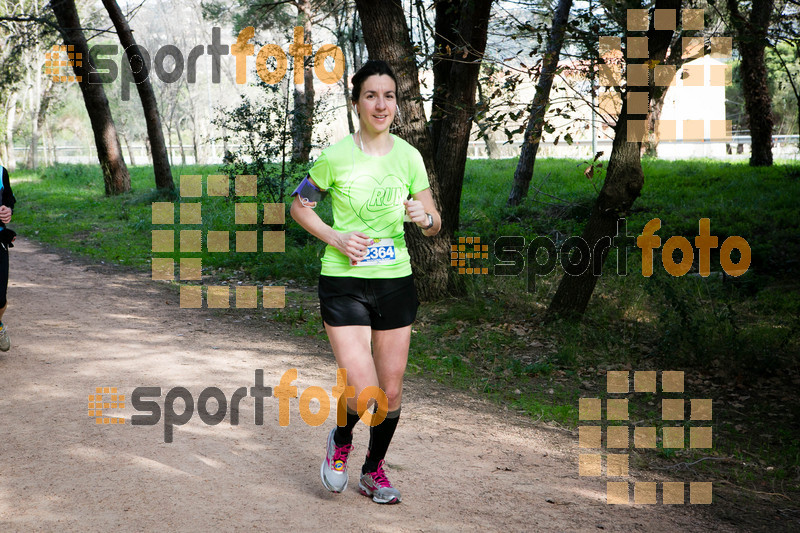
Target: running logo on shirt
{"x":385,"y":197}
{"x":382,"y":200}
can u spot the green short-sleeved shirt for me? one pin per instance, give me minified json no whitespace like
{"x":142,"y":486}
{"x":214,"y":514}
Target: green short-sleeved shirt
{"x":367,"y":194}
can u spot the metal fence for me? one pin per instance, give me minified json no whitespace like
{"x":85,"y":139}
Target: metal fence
{"x":738,"y":147}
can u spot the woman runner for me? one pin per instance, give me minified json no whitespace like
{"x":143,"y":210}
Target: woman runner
{"x":366,"y":288}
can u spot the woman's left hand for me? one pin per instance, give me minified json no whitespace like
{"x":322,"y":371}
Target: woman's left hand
{"x":5,"y":214}
{"x":416,"y":212}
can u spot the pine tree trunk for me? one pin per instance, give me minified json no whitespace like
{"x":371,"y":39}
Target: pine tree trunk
{"x":130,"y":150}
{"x":458,"y":88}
{"x":45,"y":149}
{"x":445,"y":39}
{"x":656,"y":107}
{"x":387,"y":37}
{"x":303,"y":118}
{"x":53,"y":146}
{"x":492,"y":151}
{"x":341,"y":26}
{"x":115,"y":172}
{"x":169,"y":142}
{"x":161,"y":165}
{"x":41,"y":117}
{"x":195,"y":148}
{"x":541,"y":101}
{"x":751,"y":38}
{"x":659,"y":96}
{"x":11,"y":118}
{"x":36,"y":105}
{"x":623,"y":184}
{"x":180,"y":143}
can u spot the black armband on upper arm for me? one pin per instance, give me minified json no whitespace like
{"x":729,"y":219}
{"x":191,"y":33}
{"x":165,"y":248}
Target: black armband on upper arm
{"x":308,"y":193}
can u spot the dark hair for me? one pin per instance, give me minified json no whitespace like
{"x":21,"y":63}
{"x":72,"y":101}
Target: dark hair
{"x":372,"y":67}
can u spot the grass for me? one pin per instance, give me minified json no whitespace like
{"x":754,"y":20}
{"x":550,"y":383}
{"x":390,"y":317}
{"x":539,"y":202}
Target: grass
{"x":736,"y":338}
{"x":65,"y":207}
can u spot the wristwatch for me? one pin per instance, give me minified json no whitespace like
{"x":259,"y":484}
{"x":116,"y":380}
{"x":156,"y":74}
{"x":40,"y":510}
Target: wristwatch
{"x":430,"y":221}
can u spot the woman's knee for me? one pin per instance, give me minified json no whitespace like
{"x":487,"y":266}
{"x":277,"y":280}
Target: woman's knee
{"x":394,"y":395}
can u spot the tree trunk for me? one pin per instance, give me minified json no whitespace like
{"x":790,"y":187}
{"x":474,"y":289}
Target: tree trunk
{"x":115,"y":172}
{"x":34,"y":66}
{"x":481,"y":110}
{"x":303,"y":117}
{"x":341,"y":40}
{"x":180,"y":143}
{"x":45,"y":149}
{"x":169,"y":139}
{"x":161,"y":165}
{"x":11,"y":117}
{"x":623,"y":184}
{"x":751,"y":39}
{"x":458,"y":89}
{"x":656,"y":107}
{"x":41,"y":117}
{"x":53,"y":146}
{"x":386,"y":35}
{"x":541,"y":101}
{"x":45,"y":141}
{"x":195,"y":149}
{"x":130,"y":150}
{"x":659,"y":94}
{"x":356,"y":46}
{"x":36,"y":105}
{"x":346,"y":86}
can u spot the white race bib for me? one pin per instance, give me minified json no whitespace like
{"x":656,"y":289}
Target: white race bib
{"x":379,"y":253}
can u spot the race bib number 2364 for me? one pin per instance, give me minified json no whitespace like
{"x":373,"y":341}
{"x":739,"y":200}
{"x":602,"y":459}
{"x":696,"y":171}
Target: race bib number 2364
{"x":380,"y":253}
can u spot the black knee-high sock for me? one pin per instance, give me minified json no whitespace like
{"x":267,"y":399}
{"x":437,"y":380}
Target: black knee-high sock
{"x":344,"y":434}
{"x":379,"y":438}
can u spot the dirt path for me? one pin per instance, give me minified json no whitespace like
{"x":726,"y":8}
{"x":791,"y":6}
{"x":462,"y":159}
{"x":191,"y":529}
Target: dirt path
{"x":461,"y":464}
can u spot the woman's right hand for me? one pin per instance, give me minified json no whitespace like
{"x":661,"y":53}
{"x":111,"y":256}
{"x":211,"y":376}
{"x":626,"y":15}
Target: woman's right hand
{"x":353,"y":244}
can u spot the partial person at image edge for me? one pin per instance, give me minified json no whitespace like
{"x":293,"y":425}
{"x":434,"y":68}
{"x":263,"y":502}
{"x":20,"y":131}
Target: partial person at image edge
{"x":6,"y":241}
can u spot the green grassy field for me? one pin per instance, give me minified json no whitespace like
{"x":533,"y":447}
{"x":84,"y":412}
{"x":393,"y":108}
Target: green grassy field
{"x":735,"y":337}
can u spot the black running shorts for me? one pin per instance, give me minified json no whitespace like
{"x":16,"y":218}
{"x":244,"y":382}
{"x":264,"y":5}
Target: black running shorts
{"x":379,"y":303}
